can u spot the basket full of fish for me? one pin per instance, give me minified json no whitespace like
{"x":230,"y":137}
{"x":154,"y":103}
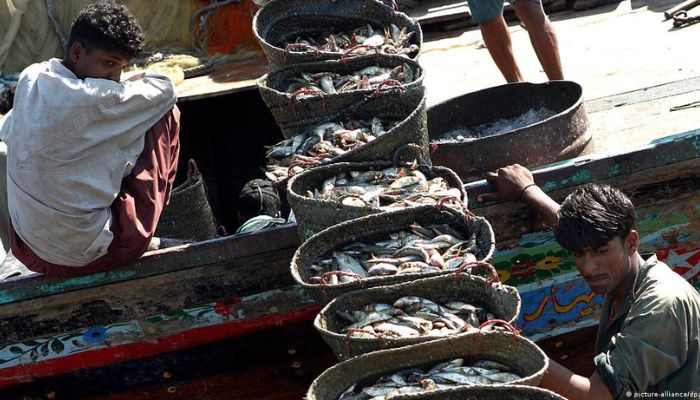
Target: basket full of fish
{"x":334,"y":193}
{"x":296,"y":31}
{"x":491,"y":356}
{"x":314,"y":91}
{"x":480,"y":392}
{"x":413,"y":312}
{"x":371,"y":131}
{"x":388,"y":248}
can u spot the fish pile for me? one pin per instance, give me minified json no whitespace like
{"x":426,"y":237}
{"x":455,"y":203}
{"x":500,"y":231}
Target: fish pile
{"x":390,"y":40}
{"x":444,"y":375}
{"x":324,"y":141}
{"x":496,"y":127}
{"x":412,"y":316}
{"x":392,"y":188}
{"x":415,"y":250}
{"x":313,"y":84}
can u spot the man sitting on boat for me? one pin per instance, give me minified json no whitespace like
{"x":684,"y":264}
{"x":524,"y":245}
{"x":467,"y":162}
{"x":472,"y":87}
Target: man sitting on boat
{"x":649,"y":331}
{"x":91,"y":159}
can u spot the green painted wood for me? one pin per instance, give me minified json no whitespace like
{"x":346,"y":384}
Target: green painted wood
{"x":216,"y":251}
{"x":669,"y":150}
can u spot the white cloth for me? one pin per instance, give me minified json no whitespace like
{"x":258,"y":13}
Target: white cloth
{"x":4,"y":215}
{"x":70,"y":143}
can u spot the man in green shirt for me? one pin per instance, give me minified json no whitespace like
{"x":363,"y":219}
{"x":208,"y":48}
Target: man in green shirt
{"x":649,"y":331}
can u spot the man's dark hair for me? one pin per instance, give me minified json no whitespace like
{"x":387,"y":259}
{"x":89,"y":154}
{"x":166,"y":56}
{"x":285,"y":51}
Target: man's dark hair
{"x":258,"y":197}
{"x":107,"y":26}
{"x":593,"y":215}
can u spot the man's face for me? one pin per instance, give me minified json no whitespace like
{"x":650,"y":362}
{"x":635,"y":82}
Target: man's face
{"x":606,"y":267}
{"x":98,"y":63}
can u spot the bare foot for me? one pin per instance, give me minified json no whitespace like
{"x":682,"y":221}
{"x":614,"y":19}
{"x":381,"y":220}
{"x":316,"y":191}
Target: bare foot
{"x":164,"y":243}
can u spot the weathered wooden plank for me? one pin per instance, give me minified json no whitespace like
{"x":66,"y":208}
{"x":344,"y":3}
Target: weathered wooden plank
{"x":222,"y":250}
{"x":216,"y":270}
{"x":277,"y":364}
{"x":643,"y":95}
{"x":650,"y":190}
{"x":141,"y":297}
{"x":669,"y":150}
{"x":231,"y":76}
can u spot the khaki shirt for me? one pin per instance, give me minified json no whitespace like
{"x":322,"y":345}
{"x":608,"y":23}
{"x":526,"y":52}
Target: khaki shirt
{"x":653,"y":343}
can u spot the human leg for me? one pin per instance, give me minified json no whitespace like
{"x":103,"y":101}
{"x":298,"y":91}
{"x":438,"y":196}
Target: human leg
{"x":136,"y":210}
{"x":489,"y":15}
{"x":498,"y":42}
{"x":542,"y":36}
{"x":146,"y":190}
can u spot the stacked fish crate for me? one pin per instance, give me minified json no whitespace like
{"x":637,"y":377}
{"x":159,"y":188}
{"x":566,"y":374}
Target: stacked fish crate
{"x":389,"y":245}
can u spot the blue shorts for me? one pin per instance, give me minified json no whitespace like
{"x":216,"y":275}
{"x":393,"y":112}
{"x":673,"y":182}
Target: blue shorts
{"x":486,"y":10}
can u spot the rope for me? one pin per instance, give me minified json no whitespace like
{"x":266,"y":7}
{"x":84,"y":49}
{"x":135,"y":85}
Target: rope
{"x":681,"y":19}
{"x":51,"y":11}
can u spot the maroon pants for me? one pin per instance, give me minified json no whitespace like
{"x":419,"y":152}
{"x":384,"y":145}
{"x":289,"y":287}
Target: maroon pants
{"x":135,"y":211}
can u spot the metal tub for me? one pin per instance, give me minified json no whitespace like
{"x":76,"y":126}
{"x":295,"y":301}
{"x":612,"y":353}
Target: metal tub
{"x":558,"y":137}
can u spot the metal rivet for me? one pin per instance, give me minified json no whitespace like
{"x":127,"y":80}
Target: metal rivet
{"x":167,"y":374}
{"x":172,"y":389}
{"x":296,"y":364}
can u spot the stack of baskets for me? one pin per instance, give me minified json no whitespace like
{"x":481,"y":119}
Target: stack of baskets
{"x":333,"y":227}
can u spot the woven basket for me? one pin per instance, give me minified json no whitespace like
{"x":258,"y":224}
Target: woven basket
{"x":375,"y":226}
{"x":409,"y":108}
{"x":485,"y":392}
{"x":291,"y":112}
{"x":500,"y":300}
{"x":314,"y":215}
{"x":188,"y":215}
{"x":520,"y":354}
{"x":281,"y":21}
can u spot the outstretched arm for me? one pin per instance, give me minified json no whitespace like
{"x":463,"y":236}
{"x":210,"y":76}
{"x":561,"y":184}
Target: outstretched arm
{"x":515,"y":183}
{"x":560,"y":380}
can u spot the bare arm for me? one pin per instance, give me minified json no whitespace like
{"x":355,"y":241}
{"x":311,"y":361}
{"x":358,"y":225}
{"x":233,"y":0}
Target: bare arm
{"x":515,"y":183}
{"x":559,"y":379}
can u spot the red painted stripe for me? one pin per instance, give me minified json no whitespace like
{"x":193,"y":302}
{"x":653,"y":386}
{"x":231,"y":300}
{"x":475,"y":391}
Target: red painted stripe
{"x":24,"y":373}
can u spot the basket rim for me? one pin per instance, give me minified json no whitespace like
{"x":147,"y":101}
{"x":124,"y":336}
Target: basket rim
{"x":356,"y":363}
{"x":366,"y":60}
{"x":327,"y":169}
{"x":295,"y":269}
{"x":386,"y":137}
{"x":379,"y":5}
{"x":510,"y":290}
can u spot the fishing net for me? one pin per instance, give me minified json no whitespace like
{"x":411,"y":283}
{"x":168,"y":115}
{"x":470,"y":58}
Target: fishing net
{"x":500,"y":300}
{"x":523,"y":356}
{"x":282,"y":21}
{"x":188,"y":215}
{"x":292,"y":111}
{"x":314,"y":214}
{"x":34,"y":31}
{"x":376,"y":227}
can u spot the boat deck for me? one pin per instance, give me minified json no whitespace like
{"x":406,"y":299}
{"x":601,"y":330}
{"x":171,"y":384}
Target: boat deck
{"x":634,"y":69}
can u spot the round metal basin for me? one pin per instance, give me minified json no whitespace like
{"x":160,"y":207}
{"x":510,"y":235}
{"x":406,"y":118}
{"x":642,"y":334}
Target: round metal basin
{"x":561,"y":134}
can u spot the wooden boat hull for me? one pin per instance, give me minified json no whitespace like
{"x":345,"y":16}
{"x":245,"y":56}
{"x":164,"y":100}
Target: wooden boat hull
{"x":240,"y":286}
